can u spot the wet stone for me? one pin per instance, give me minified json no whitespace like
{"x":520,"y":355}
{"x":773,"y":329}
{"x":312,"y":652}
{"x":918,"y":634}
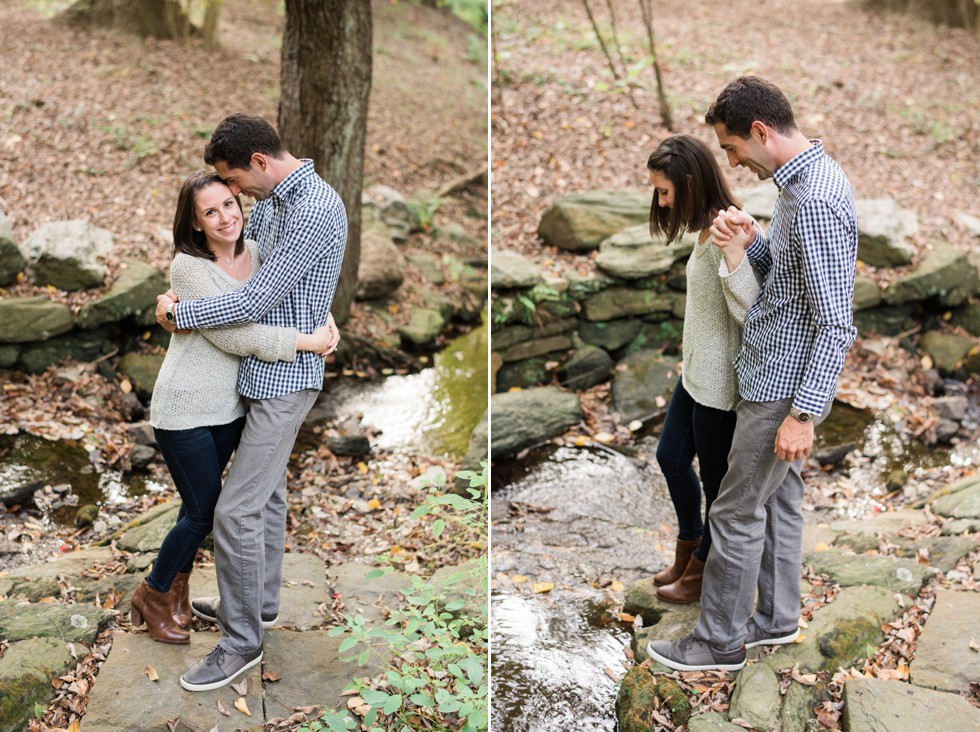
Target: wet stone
{"x":148,"y":536}
{"x":711,"y":722}
{"x":797,"y":709}
{"x":963,"y":501}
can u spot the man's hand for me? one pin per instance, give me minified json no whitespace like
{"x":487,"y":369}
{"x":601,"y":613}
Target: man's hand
{"x":728,"y":224}
{"x":793,"y":440}
{"x":163,"y":302}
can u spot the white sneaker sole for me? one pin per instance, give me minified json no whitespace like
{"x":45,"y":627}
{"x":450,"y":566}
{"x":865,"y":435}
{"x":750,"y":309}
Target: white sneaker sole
{"x":678,"y":666}
{"x":223,"y":682}
{"x":778,"y":641}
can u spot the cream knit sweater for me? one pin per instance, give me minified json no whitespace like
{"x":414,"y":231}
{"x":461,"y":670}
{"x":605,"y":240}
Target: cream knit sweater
{"x":715,"y":310}
{"x":198,"y":382}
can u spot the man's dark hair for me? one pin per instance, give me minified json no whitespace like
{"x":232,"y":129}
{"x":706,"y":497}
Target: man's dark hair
{"x":237,"y":137}
{"x":748,"y":99}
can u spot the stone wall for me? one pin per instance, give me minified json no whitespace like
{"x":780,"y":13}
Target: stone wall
{"x":624,"y":319}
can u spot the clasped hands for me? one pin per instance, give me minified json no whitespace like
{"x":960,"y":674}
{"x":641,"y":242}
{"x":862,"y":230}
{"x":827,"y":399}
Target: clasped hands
{"x":732,"y":231}
{"x":327,"y":335}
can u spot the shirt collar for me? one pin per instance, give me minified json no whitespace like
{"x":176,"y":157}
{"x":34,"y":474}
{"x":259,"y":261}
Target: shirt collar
{"x":798,"y":164}
{"x":294,"y":179}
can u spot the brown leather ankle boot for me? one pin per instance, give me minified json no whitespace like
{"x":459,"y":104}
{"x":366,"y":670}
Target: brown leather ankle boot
{"x":687,"y":589}
{"x":683,"y":552}
{"x":154,"y":608}
{"x":180,"y":597}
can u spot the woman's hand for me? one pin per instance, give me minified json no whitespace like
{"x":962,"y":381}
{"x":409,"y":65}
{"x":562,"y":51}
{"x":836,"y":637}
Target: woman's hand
{"x":323,"y":340}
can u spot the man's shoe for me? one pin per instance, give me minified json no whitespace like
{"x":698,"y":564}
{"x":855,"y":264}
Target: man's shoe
{"x":690,"y":654}
{"x":218,"y":668}
{"x":206,"y":608}
{"x":755,"y":636}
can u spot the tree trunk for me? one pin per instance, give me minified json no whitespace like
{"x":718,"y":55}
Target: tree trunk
{"x":145,"y":18}
{"x":326,"y":81}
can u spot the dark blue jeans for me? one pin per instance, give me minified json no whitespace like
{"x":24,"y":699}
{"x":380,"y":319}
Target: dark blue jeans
{"x":196,"y":459}
{"x":693,"y":429}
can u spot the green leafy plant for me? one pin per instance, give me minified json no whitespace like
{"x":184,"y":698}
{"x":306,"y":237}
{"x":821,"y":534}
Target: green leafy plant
{"x":423,"y":209}
{"x":430,"y":656}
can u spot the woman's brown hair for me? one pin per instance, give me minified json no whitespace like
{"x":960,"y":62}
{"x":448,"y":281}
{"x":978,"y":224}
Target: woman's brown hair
{"x":187,"y":239}
{"x":700,"y":188}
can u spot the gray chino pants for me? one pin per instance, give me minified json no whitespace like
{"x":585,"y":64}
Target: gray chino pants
{"x":756,"y":532}
{"x":250,"y":518}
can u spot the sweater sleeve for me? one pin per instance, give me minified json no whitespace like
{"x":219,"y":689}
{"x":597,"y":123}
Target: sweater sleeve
{"x":190,"y":279}
{"x":741,"y":288}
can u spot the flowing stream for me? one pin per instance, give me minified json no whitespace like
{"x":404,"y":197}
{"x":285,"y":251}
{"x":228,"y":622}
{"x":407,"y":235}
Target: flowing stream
{"x":431,"y":412}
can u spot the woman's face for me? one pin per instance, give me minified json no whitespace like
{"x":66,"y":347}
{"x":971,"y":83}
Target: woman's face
{"x":664,"y":188}
{"x":216,"y":213}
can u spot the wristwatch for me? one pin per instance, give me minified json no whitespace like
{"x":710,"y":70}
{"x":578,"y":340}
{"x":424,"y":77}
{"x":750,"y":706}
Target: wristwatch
{"x":169,"y":314}
{"x":801,"y":417}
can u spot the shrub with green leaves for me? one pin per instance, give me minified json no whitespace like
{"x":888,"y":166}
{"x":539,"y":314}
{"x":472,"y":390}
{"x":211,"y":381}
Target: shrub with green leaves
{"x":430,"y":656}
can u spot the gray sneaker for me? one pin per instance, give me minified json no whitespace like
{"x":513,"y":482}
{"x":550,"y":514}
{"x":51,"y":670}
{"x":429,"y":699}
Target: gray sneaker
{"x":206,"y":608}
{"x":690,"y":654}
{"x":218,"y":668}
{"x":755,"y":636}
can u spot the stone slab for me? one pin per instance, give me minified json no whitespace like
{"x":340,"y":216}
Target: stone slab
{"x":123,"y":699}
{"x":943,"y":657}
{"x":366,"y":597}
{"x":897,"y":575}
{"x":894,"y":706}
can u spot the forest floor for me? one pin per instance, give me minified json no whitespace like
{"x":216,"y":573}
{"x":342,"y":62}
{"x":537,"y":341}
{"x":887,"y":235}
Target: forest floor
{"x":105,"y":127}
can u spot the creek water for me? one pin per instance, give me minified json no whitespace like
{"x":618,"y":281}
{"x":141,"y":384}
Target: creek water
{"x":587,"y":519}
{"x":430,"y":412}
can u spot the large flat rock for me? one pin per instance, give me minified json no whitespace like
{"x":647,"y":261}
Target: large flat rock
{"x":848,"y":570}
{"x":894,"y":706}
{"x":943,"y":657}
{"x":124,"y":699}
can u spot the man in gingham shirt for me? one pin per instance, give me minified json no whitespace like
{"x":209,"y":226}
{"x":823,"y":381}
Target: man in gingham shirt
{"x":300,"y":226}
{"x":796,"y":336}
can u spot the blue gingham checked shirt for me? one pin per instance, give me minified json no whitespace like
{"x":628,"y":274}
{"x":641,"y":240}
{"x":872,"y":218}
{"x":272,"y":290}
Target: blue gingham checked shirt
{"x":301,"y":232}
{"x":799,"y":329}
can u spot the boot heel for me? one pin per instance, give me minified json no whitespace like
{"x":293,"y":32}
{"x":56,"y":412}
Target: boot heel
{"x":135,"y":618}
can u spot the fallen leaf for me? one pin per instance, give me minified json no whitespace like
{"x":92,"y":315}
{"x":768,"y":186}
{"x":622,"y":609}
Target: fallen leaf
{"x":362,"y":468}
{"x":604,"y":437}
{"x":151,"y":674}
{"x":626,"y":617}
{"x":805,"y":679}
{"x":660,"y":401}
{"x":241,"y":706}
{"x":271,"y":676}
{"x":221,"y":708}
{"x":241,"y":688}
{"x":540,"y":587}
{"x":617,"y":586}
{"x":821,"y":546}
{"x":374,"y":504}
{"x":612,"y":674}
{"x":355,"y":701}
{"x":172,"y":724}
{"x":974,"y":646}
{"x":518,"y":579}
{"x":125,"y":386}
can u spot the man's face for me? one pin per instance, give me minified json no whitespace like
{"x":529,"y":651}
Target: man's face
{"x":751,"y":153}
{"x":254,"y":182}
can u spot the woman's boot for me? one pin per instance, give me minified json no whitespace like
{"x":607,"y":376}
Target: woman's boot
{"x":683,"y":553}
{"x":687,"y":589}
{"x":180,"y":596}
{"x":154,"y":608}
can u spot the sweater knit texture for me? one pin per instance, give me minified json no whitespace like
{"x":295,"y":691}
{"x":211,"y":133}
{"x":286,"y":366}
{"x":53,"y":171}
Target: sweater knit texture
{"x":197,"y":384}
{"x":715,"y":309}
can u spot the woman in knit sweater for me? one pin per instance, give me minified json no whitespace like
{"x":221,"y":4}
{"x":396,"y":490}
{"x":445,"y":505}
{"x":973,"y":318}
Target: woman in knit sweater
{"x":196,"y":412}
{"x":689,"y":190}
